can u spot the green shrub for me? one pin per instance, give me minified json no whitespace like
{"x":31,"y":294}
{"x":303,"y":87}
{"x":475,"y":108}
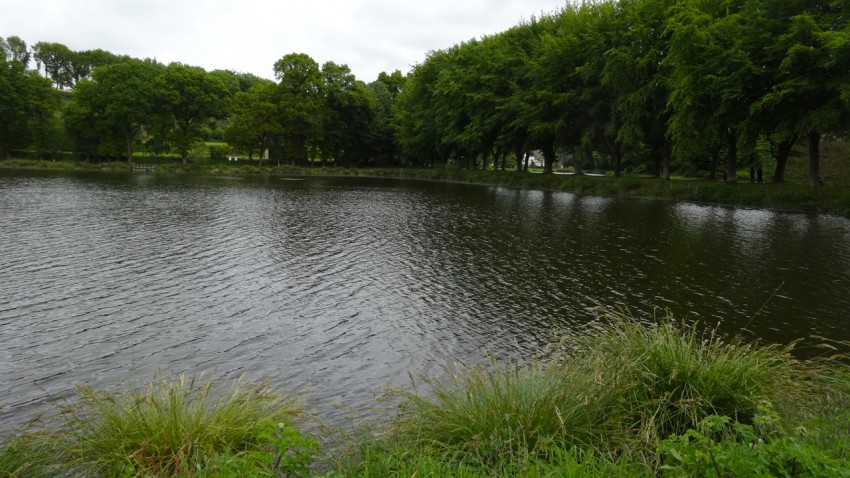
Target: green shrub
{"x":722,"y":447}
{"x":288,"y":453}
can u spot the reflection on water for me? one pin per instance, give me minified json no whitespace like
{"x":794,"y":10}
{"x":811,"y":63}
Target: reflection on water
{"x":343,"y":286}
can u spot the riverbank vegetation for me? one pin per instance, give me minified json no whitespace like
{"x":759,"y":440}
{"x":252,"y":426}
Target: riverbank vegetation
{"x":790,"y":196}
{"x":661,"y":88}
{"x":625,"y":399}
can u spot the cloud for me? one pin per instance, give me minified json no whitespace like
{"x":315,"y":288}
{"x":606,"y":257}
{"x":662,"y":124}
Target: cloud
{"x":369,"y":36}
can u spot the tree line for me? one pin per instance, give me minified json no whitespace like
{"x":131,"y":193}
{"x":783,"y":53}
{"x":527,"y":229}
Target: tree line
{"x":105,"y":106}
{"x":702,"y":87}
{"x":699,"y":86}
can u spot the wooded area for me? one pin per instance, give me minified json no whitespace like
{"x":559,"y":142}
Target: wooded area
{"x":698,"y":87}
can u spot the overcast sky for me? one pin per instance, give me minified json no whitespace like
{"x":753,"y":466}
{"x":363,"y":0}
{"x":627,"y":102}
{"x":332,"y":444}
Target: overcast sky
{"x":369,"y":36}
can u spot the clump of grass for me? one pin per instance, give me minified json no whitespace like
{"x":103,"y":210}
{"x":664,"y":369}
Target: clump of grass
{"x":672,"y":375}
{"x":618,"y":391}
{"x":170,"y":428}
{"x":494,"y":415}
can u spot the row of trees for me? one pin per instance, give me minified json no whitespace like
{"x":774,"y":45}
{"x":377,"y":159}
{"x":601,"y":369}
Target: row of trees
{"x":115,"y":104}
{"x":698,"y":86}
{"x":645,"y":84}
{"x":28,"y":102}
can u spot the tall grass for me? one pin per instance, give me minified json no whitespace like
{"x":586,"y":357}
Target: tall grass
{"x":28,"y":455}
{"x":672,"y":375}
{"x":493,"y":415}
{"x":170,"y":427}
{"x":617,"y":392}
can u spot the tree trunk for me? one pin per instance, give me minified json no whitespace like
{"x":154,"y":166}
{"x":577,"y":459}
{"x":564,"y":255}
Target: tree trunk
{"x":814,"y":158}
{"x":782,"y":153}
{"x":525,"y":161}
{"x":128,"y":140}
{"x":548,"y":159}
{"x":518,"y":157}
{"x":715,"y":160}
{"x":504,"y":160}
{"x":664,"y":153}
{"x":731,"y":157}
{"x":617,"y":164}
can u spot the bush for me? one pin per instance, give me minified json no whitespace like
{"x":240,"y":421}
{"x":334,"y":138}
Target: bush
{"x":721,"y":447}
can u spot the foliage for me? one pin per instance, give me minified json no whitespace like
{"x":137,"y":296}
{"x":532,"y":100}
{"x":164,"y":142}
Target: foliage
{"x":27,"y":105}
{"x":720,"y":446}
{"x":110,"y":110}
{"x":191,"y":96}
{"x":664,"y":87}
{"x":287,"y":452}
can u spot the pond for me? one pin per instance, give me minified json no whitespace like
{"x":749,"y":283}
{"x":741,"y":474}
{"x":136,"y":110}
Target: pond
{"x":343,"y":286}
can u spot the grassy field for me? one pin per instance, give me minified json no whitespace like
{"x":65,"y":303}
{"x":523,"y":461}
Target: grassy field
{"x":628,"y":399}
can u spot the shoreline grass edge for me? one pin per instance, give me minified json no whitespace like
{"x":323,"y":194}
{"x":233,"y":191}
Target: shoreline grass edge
{"x":629,"y":399}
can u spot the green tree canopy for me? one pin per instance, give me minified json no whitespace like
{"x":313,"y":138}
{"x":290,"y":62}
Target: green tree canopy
{"x":192,"y":96}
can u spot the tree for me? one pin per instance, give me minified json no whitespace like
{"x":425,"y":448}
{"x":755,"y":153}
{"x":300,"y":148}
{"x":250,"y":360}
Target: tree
{"x":113,"y":107}
{"x":637,"y":71}
{"x":27,"y":106}
{"x":57,"y":60}
{"x":713,"y":79}
{"x":254,"y":120}
{"x":345,"y":115}
{"x":382,"y":143}
{"x":811,"y":87}
{"x":16,"y":50}
{"x":394,"y":82}
{"x":84,"y":62}
{"x":417,"y":129}
{"x":191,"y":96}
{"x":300,"y":85}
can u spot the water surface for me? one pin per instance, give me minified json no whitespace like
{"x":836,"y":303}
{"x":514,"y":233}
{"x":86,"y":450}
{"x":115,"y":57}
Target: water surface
{"x":343,"y":286}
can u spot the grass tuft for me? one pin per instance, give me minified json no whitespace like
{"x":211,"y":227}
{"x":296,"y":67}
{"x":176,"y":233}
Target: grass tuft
{"x":672,"y":375}
{"x":612,"y":395}
{"x":170,"y":428}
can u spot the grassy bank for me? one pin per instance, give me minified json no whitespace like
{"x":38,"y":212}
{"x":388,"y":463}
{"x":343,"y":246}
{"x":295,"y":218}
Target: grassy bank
{"x":668,"y":399}
{"x":789,"y":196}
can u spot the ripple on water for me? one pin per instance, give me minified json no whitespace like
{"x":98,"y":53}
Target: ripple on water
{"x":342,"y":287}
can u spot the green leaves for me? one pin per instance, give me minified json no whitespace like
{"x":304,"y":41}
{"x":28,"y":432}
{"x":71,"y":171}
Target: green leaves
{"x":191,"y":96}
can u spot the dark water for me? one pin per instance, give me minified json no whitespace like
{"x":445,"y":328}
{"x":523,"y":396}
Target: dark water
{"x":342,"y":286}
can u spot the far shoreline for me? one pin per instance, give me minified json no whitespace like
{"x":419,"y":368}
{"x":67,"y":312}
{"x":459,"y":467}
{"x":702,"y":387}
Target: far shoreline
{"x":783,"y":197}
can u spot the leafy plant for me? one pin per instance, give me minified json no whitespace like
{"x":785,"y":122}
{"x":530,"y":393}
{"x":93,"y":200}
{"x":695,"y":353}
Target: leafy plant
{"x":721,"y":447}
{"x":286,"y":452}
